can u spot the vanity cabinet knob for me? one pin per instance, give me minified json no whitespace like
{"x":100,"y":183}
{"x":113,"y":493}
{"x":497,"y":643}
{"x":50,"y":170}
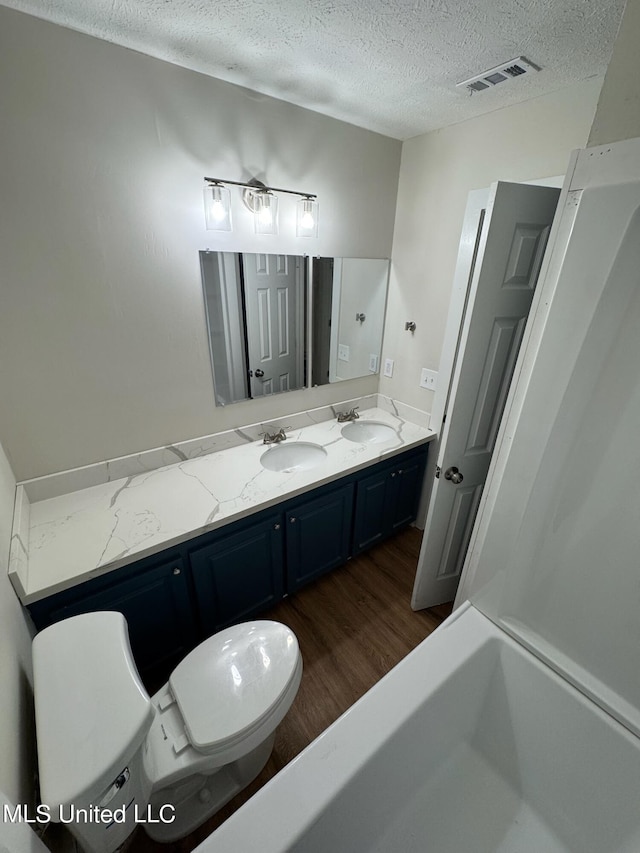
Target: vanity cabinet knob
{"x":393,"y":473}
{"x":292,"y":520}
{"x":276,"y":527}
{"x":176,"y":570}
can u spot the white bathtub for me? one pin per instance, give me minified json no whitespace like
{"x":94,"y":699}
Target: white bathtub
{"x":469,"y":745}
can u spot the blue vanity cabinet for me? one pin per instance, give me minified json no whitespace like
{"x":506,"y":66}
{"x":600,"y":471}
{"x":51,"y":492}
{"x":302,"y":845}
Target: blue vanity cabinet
{"x":240,"y":572}
{"x":318,"y":534}
{"x":387,"y":499}
{"x":174,"y":599}
{"x":154,"y":597}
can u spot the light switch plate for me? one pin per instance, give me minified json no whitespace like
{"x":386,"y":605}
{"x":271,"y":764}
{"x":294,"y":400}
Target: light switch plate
{"x":388,"y":367}
{"x":373,"y":362}
{"x":429,"y":379}
{"x":343,"y":352}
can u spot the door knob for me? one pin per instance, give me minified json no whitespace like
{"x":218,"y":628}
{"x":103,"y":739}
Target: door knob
{"x":259,"y":373}
{"x":454,"y":475}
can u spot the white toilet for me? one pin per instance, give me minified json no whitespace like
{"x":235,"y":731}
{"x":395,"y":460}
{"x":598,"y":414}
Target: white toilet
{"x":110,"y":757}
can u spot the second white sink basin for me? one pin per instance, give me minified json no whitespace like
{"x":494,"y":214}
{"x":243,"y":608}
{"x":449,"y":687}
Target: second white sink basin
{"x":368,"y":432}
{"x":296,"y":456}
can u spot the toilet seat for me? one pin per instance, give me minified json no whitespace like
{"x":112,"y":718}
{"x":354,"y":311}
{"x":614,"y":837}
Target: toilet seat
{"x":236,"y":682}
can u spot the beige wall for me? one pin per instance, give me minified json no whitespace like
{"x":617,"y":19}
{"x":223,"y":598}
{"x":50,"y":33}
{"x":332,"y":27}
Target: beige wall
{"x":618,"y":113}
{"x":16,"y":704}
{"x":524,"y":142}
{"x":102,"y":326}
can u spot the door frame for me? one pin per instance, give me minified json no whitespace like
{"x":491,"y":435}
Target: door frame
{"x":462,"y":278}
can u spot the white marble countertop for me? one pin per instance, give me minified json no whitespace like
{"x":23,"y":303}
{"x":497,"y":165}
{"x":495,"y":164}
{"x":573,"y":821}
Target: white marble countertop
{"x":86,"y":533}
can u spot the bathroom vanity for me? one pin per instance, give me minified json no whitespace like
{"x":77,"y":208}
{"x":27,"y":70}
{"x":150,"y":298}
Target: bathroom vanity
{"x":193,"y":577}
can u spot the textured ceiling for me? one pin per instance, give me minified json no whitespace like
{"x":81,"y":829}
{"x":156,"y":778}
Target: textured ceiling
{"x":386,"y":65}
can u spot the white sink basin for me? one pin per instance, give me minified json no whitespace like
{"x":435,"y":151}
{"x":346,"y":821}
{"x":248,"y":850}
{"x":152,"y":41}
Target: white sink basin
{"x":294,"y":456}
{"x":368,"y":432}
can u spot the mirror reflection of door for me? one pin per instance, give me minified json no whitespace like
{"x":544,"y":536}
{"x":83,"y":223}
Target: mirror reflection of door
{"x":225,"y":325}
{"x":274,"y":305}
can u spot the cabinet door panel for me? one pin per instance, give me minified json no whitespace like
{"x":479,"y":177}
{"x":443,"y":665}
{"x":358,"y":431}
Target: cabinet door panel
{"x":405,"y":492}
{"x":157,"y":608}
{"x":371,"y":511}
{"x":387,"y":500}
{"x":240,"y":574}
{"x":318,"y":534}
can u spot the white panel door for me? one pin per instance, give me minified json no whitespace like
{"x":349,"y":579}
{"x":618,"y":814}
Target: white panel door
{"x":513,"y":237}
{"x":275,"y":334}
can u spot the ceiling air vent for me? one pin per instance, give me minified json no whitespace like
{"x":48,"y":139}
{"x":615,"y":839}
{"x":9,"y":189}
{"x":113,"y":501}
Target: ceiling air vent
{"x":507,"y":71}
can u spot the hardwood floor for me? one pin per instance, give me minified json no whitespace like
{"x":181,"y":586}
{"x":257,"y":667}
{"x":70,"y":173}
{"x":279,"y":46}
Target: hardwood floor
{"x":353,"y":626}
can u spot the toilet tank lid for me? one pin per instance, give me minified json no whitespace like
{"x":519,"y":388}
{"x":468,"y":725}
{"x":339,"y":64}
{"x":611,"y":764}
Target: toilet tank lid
{"x":231,"y":681}
{"x":92,"y":711}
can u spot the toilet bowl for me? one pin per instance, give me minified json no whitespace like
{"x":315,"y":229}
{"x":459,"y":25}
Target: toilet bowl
{"x":111,"y":757}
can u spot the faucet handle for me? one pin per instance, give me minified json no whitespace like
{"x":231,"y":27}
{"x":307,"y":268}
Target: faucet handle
{"x":351,"y":415}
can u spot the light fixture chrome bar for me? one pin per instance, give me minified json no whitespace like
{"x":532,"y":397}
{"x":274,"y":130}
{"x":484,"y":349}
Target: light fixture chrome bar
{"x":258,"y":186}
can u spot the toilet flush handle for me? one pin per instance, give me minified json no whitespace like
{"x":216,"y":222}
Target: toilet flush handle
{"x":118,"y":783}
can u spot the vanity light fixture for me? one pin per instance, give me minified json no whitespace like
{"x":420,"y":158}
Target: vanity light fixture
{"x":262,"y":201}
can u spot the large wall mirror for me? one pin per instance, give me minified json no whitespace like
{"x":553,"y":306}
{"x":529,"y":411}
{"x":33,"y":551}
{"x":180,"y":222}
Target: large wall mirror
{"x":258,"y":311}
{"x":349,"y":301}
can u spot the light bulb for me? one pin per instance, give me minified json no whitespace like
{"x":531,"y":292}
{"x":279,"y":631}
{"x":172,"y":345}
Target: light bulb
{"x":307,"y":218}
{"x":265,"y":215}
{"x":217,"y":210}
{"x":217,"y":207}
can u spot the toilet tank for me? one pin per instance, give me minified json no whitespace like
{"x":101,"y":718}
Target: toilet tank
{"x":92,"y":717}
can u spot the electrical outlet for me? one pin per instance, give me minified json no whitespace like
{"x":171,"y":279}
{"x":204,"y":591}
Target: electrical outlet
{"x":429,"y":379}
{"x":373,"y":362}
{"x":388,"y":367}
{"x":343,"y":352}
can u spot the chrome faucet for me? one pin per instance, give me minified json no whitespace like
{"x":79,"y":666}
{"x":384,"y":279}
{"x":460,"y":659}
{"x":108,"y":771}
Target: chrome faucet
{"x":275,"y":437}
{"x":351,"y":415}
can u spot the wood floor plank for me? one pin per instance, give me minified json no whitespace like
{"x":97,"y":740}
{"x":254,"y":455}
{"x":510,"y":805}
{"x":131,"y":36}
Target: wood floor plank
{"x":353,"y":625}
